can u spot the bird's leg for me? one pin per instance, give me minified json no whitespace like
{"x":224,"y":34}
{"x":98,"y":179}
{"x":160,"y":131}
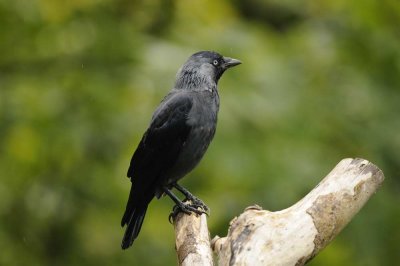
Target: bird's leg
{"x":195,"y":202}
{"x":180,"y":206}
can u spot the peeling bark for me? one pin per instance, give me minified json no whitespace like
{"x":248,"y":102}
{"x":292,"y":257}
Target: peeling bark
{"x":289,"y":237}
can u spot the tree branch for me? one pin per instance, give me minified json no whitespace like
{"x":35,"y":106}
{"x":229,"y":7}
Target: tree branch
{"x":192,"y":241}
{"x":289,"y":237}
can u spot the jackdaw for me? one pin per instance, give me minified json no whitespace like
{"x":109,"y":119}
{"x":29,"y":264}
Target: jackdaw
{"x":180,"y":131}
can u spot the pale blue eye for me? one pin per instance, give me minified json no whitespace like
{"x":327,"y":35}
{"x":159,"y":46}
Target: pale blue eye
{"x":215,"y":62}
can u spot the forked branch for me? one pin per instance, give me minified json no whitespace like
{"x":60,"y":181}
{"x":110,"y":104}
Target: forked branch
{"x":289,"y":237}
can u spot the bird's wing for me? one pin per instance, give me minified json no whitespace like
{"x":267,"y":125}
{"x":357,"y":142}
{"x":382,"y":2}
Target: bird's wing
{"x":162,"y":142}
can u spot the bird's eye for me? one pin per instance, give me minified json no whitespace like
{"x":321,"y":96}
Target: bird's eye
{"x":215,"y":63}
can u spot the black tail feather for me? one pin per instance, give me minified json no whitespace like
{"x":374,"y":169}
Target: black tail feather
{"x":133,"y":217}
{"x":130,"y":206}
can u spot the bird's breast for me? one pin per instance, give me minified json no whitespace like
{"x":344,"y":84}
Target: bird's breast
{"x":202,"y":120}
{"x":204,"y":112}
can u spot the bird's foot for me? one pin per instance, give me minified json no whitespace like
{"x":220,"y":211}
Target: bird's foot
{"x":187,"y":207}
{"x":194,"y":201}
{"x":197,"y":203}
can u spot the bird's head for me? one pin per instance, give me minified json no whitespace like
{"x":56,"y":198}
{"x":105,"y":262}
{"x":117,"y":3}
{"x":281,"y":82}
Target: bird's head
{"x":204,"y":66}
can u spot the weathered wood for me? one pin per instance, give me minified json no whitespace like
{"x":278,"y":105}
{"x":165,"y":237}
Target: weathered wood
{"x":192,"y":240}
{"x":289,"y":237}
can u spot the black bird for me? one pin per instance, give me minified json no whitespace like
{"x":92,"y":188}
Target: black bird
{"x":180,"y":131}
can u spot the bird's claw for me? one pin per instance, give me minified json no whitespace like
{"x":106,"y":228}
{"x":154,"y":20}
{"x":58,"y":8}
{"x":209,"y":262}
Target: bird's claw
{"x":198,"y":203}
{"x":188,"y":208}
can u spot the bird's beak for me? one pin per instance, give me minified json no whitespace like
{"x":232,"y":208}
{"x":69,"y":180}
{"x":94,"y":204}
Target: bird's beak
{"x":230,"y":62}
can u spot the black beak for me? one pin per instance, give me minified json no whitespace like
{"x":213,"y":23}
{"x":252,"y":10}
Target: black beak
{"x":230,"y":62}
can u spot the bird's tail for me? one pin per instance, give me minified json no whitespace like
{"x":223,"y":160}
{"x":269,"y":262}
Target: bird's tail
{"x":133,"y":218}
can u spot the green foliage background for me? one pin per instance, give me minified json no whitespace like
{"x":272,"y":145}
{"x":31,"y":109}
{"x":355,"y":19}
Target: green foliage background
{"x":80,"y":79}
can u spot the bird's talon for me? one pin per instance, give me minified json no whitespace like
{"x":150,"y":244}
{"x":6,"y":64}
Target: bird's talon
{"x":197,"y":203}
{"x":188,"y":208}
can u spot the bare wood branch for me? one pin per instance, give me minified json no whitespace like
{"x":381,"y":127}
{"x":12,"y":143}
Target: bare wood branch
{"x":192,"y":241}
{"x":295,"y":235}
{"x":289,"y":237}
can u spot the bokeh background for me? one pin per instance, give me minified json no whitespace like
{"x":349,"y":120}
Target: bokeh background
{"x":79,"y":80}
